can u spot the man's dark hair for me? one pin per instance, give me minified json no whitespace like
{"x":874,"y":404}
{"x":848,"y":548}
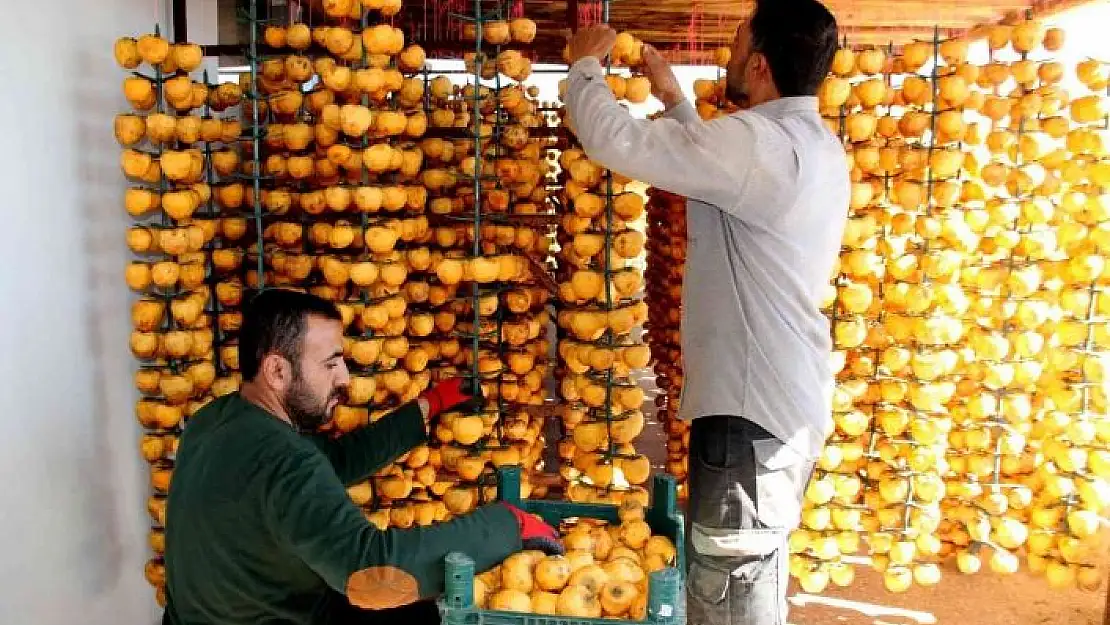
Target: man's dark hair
{"x":799,"y":39}
{"x":274,"y":321}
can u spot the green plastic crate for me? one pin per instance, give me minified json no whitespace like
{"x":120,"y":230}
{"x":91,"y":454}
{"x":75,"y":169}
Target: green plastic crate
{"x":456,"y":607}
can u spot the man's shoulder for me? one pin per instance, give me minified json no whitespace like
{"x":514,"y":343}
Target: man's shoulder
{"x":232,"y":427}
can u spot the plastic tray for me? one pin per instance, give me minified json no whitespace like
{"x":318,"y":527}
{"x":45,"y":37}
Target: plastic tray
{"x":457,"y":607}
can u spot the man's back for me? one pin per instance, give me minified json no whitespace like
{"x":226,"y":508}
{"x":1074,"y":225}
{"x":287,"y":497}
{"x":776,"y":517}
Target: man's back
{"x":754,"y":340}
{"x":224,"y":563}
{"x":768,"y":197}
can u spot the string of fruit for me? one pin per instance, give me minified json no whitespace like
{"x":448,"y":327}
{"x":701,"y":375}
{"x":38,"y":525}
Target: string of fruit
{"x":488,"y":175}
{"x":599,"y":307}
{"x":185,"y":318}
{"x":1072,"y":431}
{"x":991,"y":257}
{"x":832,"y":514}
{"x":988,"y":455}
{"x":943,"y":97}
{"x":340,"y":167}
{"x":623,"y":70}
{"x":709,"y":95}
{"x":666,"y":261}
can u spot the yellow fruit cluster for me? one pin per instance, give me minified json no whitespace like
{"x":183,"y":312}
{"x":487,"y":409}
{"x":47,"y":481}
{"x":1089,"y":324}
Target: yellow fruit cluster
{"x":627,"y":53}
{"x":961,"y":315}
{"x":897,"y":321}
{"x":518,"y":31}
{"x":381,"y":215}
{"x":709,"y":95}
{"x":187,"y":252}
{"x":346,"y":176}
{"x":498,"y":315}
{"x":603,"y":574}
{"x":967,"y":314}
{"x":666,"y":262}
{"x":599,"y":306}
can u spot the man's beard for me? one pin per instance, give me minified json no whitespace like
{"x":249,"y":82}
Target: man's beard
{"x":736,"y":91}
{"x":306,"y":411}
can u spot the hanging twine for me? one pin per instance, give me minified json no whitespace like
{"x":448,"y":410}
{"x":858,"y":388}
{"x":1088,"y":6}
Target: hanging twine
{"x":694,"y":41}
{"x":457,"y":6}
{"x":589,"y":13}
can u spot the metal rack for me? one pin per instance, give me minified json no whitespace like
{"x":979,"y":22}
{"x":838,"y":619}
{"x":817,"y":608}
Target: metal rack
{"x":609,"y":340}
{"x":182,"y":356}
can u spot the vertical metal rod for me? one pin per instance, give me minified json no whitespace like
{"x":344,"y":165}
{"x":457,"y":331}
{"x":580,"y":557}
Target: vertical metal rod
{"x":476,"y":113}
{"x":607,"y":269}
{"x":364,"y":142}
{"x":500,"y":308}
{"x":256,"y":146}
{"x":212,"y":213}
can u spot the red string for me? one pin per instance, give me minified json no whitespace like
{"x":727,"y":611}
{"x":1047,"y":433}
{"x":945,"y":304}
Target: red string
{"x":517,"y":9}
{"x":590,"y":13}
{"x":693,"y":33}
{"x":459,"y":7}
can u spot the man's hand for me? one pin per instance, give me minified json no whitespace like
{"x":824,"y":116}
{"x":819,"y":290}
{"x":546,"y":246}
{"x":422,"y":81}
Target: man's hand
{"x":462,"y":394}
{"x":535,"y":534}
{"x":664,"y":84}
{"x":596,"y":41}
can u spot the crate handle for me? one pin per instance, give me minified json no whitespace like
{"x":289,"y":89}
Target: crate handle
{"x":459,"y":581}
{"x":664,"y":494}
{"x":663,"y":596}
{"x":508,"y":485}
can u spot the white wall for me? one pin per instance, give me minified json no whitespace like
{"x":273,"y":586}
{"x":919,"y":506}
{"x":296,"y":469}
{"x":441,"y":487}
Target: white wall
{"x":72,"y":486}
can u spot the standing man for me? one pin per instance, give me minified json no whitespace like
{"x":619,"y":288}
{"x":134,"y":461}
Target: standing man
{"x":768,"y":199}
{"x":259,"y":525}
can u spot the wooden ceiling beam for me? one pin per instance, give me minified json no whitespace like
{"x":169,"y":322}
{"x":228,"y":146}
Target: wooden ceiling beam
{"x":863,"y":22}
{"x":1038,"y":9}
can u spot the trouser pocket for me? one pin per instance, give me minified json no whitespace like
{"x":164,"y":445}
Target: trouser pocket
{"x":737,"y":590}
{"x":781,"y":478}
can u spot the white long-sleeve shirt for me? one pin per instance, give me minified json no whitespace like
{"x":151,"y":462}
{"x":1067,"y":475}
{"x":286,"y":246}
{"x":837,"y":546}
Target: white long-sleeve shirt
{"x":768,"y":194}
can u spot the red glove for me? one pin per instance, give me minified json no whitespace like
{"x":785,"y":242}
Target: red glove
{"x":535,"y":534}
{"x":450,"y":394}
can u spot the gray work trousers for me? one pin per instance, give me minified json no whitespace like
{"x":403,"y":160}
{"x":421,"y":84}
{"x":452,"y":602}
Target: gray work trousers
{"x":746,"y":490}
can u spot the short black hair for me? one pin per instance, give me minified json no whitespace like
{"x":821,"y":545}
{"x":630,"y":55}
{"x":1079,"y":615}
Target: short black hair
{"x":799,"y":39}
{"x":274,"y":321}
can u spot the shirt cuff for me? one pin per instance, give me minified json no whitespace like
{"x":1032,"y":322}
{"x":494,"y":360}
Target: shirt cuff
{"x":586,"y":67}
{"x":683,"y":112}
{"x":410,"y":422}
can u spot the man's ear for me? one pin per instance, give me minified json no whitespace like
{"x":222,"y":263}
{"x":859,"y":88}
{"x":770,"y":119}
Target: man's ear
{"x":760,"y":66}
{"x":760,"y":70}
{"x":276,"y":371}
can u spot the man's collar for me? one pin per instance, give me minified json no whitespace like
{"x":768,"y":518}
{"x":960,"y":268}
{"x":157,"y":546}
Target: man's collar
{"x":782,"y":106}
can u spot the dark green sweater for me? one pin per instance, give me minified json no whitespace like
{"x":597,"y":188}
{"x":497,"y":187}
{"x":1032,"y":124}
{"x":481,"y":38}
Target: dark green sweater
{"x":259,"y":525}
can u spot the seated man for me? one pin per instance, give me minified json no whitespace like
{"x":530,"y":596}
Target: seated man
{"x":259,"y":525}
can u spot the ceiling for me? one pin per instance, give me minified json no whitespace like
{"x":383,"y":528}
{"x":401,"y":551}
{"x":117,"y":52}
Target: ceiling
{"x":690,"y":29}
